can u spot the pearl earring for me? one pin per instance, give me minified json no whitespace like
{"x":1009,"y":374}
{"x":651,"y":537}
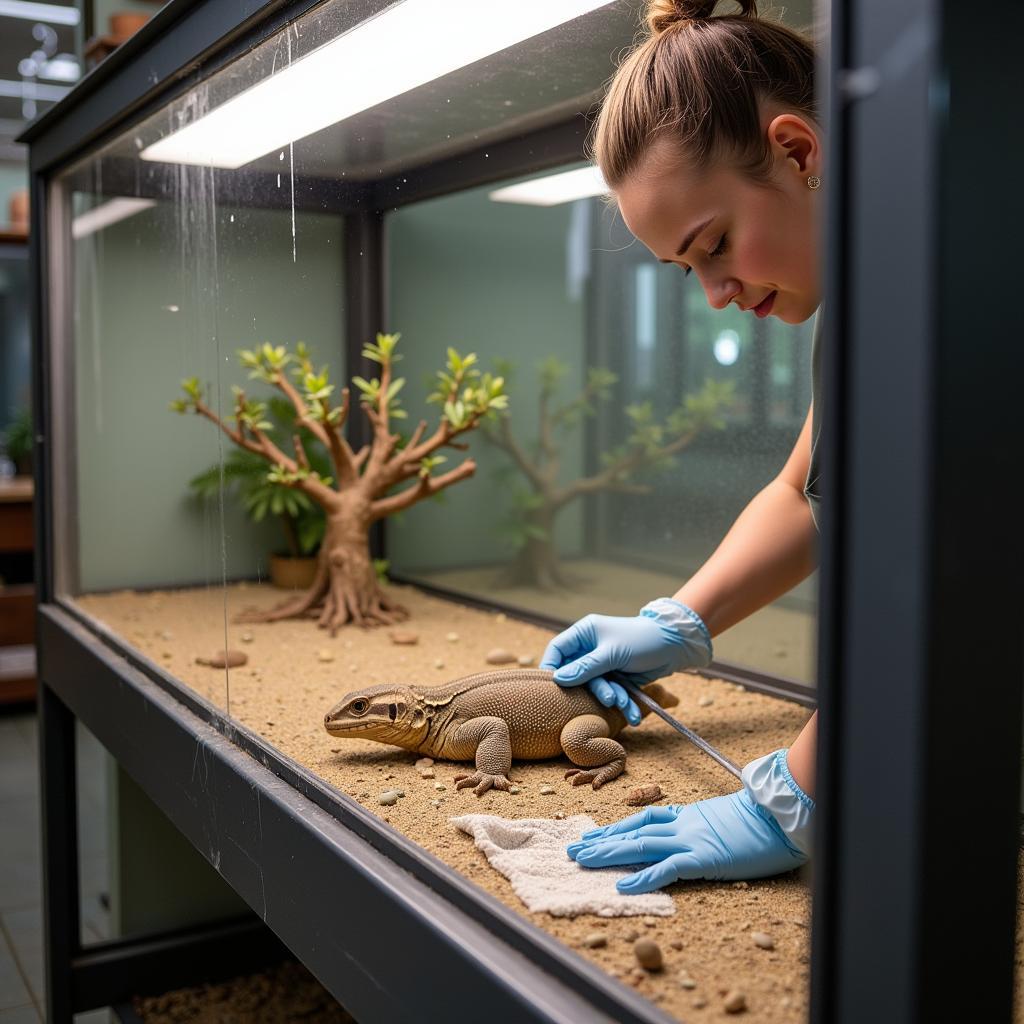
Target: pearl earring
{"x":813,"y":181}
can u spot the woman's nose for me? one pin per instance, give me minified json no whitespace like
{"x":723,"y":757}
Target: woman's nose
{"x":721,"y":292}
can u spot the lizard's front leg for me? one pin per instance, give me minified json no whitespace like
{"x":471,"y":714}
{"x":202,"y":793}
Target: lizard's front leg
{"x":487,"y":738}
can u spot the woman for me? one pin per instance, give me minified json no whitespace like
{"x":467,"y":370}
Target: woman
{"x":709,"y":139}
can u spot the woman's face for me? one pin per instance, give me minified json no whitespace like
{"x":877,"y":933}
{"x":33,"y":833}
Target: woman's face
{"x":747,"y":243}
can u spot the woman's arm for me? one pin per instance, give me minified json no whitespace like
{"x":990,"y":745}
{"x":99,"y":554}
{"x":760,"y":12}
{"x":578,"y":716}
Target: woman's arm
{"x":770,"y":548}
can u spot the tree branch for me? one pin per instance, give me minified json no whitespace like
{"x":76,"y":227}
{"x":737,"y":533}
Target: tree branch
{"x":424,"y":488}
{"x":264,"y":447}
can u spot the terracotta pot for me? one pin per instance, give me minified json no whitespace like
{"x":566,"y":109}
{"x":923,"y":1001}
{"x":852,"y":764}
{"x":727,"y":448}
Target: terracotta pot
{"x":125,"y":24}
{"x":291,"y":573}
{"x":17,"y":209}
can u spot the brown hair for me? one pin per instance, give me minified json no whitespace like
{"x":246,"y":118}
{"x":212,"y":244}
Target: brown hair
{"x":701,"y":80}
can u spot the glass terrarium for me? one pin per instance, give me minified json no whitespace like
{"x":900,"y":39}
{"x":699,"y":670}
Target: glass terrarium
{"x":361,"y":379}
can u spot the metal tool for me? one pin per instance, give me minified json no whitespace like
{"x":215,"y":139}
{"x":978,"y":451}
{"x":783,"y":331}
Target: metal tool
{"x":649,"y":702}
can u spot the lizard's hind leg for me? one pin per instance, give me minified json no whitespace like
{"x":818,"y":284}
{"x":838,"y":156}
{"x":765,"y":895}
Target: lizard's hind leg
{"x":586,"y":742}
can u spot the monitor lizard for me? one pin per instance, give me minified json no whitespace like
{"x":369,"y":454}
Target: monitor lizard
{"x":493,"y":717}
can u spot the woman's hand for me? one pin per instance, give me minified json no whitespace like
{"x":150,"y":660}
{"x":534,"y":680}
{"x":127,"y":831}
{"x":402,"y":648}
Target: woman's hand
{"x":665,"y":637}
{"x":763,"y":829}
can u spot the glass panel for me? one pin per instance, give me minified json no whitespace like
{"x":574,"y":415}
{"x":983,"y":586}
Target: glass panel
{"x":601,"y":346}
{"x":176,"y":258}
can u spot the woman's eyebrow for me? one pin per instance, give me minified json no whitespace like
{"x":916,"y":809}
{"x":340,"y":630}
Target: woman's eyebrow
{"x":688,"y":240}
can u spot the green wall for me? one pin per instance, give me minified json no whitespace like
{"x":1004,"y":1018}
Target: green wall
{"x":490,"y":278}
{"x":169,"y":293}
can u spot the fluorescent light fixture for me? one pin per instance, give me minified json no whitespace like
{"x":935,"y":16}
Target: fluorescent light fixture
{"x":403,"y":47}
{"x":102,"y":216}
{"x":553,"y":189}
{"x":52,"y":14}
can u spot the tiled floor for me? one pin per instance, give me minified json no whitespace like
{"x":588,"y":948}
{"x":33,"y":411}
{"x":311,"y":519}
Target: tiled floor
{"x":21,"y":931}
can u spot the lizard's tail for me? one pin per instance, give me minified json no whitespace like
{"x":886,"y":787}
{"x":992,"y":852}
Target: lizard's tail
{"x":666,"y":698}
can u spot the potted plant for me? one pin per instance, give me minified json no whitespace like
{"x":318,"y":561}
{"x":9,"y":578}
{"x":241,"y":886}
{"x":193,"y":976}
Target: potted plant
{"x":19,"y":443}
{"x":302,"y":521}
{"x":390,"y":473}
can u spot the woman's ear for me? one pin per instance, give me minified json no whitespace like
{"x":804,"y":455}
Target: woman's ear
{"x":792,"y":139}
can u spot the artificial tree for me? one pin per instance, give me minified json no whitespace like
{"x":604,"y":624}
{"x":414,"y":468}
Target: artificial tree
{"x":367,"y":484}
{"x":651,"y":443}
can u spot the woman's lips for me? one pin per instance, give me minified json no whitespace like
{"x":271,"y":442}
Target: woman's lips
{"x":764,"y":307}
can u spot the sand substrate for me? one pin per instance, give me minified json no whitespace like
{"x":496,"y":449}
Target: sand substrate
{"x":284,"y":994}
{"x":296,"y":672}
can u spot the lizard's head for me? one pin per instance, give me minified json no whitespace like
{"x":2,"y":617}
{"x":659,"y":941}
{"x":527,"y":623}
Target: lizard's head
{"x":388,"y":714}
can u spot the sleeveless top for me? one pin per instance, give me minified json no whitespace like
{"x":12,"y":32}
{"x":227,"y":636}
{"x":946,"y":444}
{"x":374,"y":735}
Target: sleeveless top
{"x":812,"y":488}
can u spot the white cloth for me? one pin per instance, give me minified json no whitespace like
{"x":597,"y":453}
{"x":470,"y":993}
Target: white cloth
{"x":530,"y":853}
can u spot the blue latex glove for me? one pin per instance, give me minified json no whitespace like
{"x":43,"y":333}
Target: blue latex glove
{"x":665,"y":637}
{"x":764,"y":829}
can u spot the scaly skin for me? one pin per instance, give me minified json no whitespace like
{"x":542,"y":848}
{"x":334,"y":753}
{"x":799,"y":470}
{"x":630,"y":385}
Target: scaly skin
{"x":491,"y":718}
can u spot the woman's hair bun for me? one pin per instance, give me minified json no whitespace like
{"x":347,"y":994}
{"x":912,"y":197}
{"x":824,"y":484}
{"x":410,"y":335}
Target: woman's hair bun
{"x":663,"y":14}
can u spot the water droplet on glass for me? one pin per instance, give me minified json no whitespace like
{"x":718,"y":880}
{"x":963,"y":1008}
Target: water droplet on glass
{"x":280,"y":155}
{"x":171,"y":308}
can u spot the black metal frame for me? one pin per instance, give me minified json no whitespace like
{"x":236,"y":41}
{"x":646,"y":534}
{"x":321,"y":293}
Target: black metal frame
{"x":893,"y":552}
{"x":919,"y":590}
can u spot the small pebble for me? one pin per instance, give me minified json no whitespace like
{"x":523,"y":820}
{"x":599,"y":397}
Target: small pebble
{"x":440,"y":787}
{"x":451,"y":637}
{"x":685,"y":981}
{"x":424,"y":762}
{"x":246,"y":638}
{"x":546,"y":790}
{"x":400,"y":792}
{"x":224,"y":659}
{"x":705,"y":702}
{"x":525,"y":660}
{"x":388,"y":797}
{"x":735,"y":1002}
{"x":559,"y":815}
{"x":632,"y":935}
{"x":676,"y":944}
{"x":438,"y":663}
{"x":514,"y":789}
{"x":436,"y":803}
{"x":325,"y":655}
{"x":648,"y":954}
{"x":499,"y":656}
{"x":595,"y":940}
{"x":640,"y":795}
{"x":500,"y":617}
{"x":763,"y":940}
{"x":364,"y":796}
{"x":699,"y":1003}
{"x":404,"y":639}
{"x":168,"y":635}
{"x":650,"y":922}
{"x":636,"y":976}
{"x":426,"y":773}
{"x":741,"y":885}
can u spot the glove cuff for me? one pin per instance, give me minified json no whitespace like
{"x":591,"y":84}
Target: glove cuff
{"x":772,"y":788}
{"x":672,"y":614}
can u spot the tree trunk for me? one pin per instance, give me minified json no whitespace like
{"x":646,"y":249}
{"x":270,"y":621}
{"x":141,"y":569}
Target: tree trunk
{"x":346,"y":588}
{"x":536,"y":563}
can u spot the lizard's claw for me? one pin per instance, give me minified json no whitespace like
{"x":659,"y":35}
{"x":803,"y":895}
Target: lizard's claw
{"x":482,"y":781}
{"x":597,"y":777}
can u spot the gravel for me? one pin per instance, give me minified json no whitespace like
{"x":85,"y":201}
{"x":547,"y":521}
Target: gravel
{"x":648,"y":954}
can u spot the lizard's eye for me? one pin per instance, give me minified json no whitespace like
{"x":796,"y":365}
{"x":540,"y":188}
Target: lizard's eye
{"x":359,"y":706}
